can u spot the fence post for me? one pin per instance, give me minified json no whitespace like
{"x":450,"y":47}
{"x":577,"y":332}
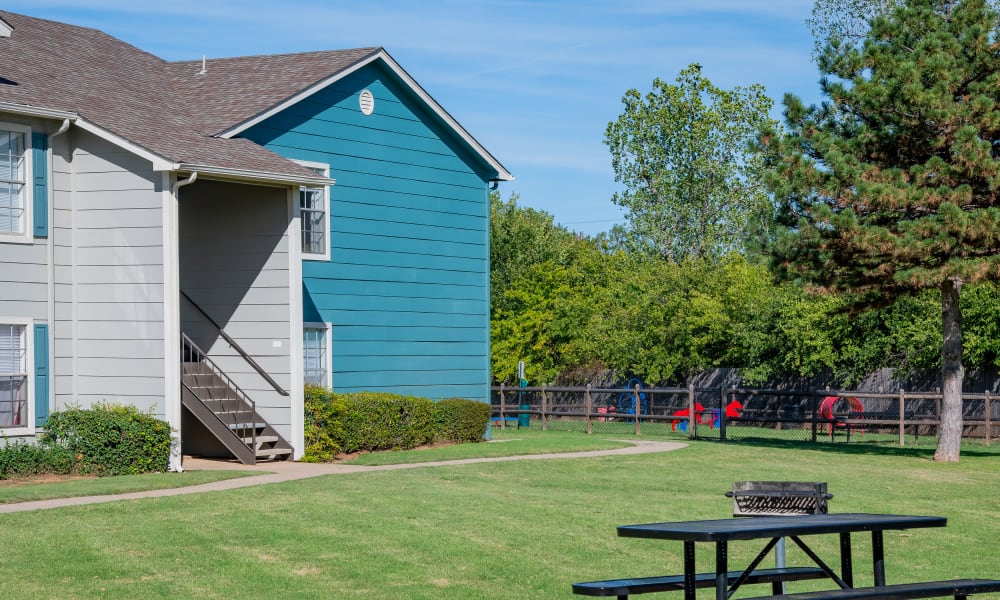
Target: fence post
{"x":588,"y":404}
{"x":902,"y":417}
{"x":722,"y":412}
{"x":503,"y":421}
{"x":812,"y":411}
{"x":691,"y":422}
{"x":989,"y":426}
{"x":545,"y":423}
{"x":636,"y":407}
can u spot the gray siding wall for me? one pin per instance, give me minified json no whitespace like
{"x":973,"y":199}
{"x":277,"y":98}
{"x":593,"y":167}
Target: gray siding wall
{"x":24,"y":267}
{"x":234,"y":264}
{"x":108,"y":256}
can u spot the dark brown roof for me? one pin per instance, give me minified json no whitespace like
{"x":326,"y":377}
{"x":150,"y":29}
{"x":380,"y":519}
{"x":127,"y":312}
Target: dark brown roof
{"x":152,"y":103}
{"x":233,"y":90}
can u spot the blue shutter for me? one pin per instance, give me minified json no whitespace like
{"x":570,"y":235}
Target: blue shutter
{"x":40,"y":164}
{"x":41,"y":374}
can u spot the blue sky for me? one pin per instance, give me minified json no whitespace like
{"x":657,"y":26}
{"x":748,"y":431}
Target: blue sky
{"x":536,"y":82}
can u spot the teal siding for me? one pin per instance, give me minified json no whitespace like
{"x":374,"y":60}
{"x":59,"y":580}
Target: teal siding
{"x":406,"y":288}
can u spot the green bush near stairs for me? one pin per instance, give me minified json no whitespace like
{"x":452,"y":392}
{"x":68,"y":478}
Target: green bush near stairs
{"x":110,"y":440}
{"x":371,"y":421}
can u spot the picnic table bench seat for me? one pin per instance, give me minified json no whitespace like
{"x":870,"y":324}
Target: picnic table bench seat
{"x":958,"y":588}
{"x":622,"y":588}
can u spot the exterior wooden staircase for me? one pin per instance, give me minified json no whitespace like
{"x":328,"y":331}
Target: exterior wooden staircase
{"x":225,"y":410}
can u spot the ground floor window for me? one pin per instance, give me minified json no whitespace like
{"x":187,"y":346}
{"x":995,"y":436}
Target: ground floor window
{"x":13,"y":375}
{"x":316,"y":355}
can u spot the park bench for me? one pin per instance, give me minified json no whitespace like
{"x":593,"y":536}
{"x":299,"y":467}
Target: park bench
{"x":622,"y":588}
{"x":957,"y":588}
{"x":750,"y":498}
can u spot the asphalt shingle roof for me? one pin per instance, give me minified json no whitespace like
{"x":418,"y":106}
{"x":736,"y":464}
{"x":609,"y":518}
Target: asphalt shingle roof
{"x":163,"y":107}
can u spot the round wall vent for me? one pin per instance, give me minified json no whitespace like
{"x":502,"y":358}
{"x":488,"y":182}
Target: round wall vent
{"x":367,"y":102}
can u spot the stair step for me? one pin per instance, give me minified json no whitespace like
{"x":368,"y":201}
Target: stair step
{"x":247,"y":425}
{"x":261,"y":439}
{"x":273,"y":452}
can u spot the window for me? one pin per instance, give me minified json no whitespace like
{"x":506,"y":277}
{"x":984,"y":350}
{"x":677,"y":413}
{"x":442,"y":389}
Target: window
{"x":14,"y":186}
{"x":315,"y":354}
{"x":13,"y":375}
{"x":313,"y":212}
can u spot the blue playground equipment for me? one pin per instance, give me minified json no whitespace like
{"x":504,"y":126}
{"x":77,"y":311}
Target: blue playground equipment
{"x":626,"y":399}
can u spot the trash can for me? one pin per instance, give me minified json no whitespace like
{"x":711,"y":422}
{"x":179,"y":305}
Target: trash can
{"x":524,"y":419}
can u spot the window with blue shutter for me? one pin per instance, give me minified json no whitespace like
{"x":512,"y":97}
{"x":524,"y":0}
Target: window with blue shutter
{"x":40,"y":181}
{"x":41,"y":374}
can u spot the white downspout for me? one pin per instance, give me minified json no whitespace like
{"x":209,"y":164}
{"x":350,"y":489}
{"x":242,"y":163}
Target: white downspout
{"x":172,"y":318}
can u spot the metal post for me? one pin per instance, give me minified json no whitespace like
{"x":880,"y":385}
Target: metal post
{"x":588,"y":403}
{"x":721,"y":570}
{"x":779,"y":558}
{"x":690,"y":423}
{"x":813,"y":403}
{"x":689,"y":570}
{"x":722,"y":412}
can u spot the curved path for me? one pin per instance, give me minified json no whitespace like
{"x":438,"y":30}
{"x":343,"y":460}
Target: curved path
{"x":290,"y":471}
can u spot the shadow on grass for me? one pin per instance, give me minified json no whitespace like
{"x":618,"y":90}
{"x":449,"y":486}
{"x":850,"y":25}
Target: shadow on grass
{"x":861,"y":448}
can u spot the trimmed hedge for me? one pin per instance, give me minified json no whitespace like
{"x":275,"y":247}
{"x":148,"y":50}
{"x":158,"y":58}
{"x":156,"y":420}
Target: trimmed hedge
{"x":20,"y":459}
{"x":461,"y":420}
{"x":110,"y":440}
{"x":370,"y":421}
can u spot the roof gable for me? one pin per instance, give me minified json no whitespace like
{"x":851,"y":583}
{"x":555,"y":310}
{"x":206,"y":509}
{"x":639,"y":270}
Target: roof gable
{"x":5,"y":28}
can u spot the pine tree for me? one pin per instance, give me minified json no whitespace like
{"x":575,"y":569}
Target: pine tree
{"x":892,"y":185}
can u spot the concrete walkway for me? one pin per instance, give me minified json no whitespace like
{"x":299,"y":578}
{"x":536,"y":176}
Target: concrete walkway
{"x":277,"y":472}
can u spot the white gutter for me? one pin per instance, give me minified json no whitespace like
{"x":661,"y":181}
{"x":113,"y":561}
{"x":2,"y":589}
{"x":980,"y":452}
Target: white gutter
{"x":34,"y":111}
{"x":183,"y":182}
{"x":256,"y":176}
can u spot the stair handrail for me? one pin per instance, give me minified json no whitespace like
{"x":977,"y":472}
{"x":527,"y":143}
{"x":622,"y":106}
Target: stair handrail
{"x":235,"y":346}
{"x":188,"y":345}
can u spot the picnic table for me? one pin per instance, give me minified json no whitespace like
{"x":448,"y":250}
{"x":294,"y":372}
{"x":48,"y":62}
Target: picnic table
{"x":721,"y":532}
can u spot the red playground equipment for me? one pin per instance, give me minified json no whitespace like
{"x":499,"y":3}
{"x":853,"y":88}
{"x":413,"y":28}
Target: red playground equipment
{"x":826,"y":409}
{"x":698,"y":411}
{"x":732,"y":412}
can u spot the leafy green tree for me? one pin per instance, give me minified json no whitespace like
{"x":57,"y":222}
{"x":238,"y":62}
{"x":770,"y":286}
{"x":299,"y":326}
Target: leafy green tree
{"x":521,"y":237}
{"x":891,"y":187}
{"x":681,"y":151}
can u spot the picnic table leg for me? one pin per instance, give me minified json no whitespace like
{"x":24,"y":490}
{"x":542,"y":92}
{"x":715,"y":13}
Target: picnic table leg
{"x":689,"y":571}
{"x":846,"y":563}
{"x":721,"y":570}
{"x":878,"y":558}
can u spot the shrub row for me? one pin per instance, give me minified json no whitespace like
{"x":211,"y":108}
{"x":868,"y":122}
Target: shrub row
{"x":368,"y":421}
{"x":103,"y":440}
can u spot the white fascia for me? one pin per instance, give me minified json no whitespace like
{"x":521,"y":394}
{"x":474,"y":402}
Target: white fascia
{"x":502,"y":173}
{"x":255,"y":177}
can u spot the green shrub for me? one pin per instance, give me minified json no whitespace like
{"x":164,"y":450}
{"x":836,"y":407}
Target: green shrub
{"x":384,"y":421}
{"x":461,"y":420}
{"x":20,"y":459}
{"x":324,"y":425}
{"x":110,"y":440}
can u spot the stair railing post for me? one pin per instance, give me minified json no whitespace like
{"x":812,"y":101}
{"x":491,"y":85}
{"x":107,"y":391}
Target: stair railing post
{"x":588,"y":406}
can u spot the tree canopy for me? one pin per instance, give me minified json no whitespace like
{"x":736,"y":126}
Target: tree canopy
{"x":692,"y":187}
{"x":892,"y":185}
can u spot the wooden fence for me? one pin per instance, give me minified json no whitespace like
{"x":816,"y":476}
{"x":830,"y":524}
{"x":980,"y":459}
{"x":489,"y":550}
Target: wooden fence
{"x":845,"y":411}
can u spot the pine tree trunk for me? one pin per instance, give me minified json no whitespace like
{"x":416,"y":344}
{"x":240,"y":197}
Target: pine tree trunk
{"x":950,"y":432}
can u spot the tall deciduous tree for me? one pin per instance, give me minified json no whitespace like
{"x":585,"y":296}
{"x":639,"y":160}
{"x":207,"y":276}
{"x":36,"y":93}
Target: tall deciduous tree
{"x":893,"y":185}
{"x":691,"y":187}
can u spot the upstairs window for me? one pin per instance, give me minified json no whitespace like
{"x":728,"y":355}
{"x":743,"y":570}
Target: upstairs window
{"x":13,"y":181}
{"x":314,"y":215}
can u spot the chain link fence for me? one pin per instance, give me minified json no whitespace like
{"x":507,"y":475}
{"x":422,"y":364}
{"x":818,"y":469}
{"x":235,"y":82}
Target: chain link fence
{"x":903,"y":418}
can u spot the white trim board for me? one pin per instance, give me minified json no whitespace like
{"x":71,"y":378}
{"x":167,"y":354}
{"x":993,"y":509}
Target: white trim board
{"x":382,"y":55}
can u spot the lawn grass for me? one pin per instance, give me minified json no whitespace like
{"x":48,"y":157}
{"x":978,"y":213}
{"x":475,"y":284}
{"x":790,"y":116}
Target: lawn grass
{"x":509,"y":442}
{"x":496,"y":530}
{"x":29,"y":491}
